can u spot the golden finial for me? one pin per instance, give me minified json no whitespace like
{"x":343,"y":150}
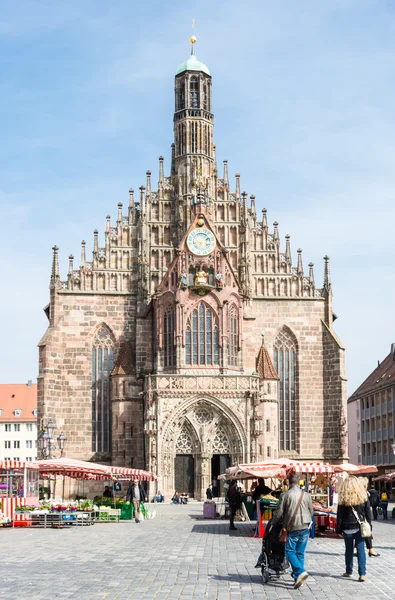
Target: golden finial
{"x":192,"y":39}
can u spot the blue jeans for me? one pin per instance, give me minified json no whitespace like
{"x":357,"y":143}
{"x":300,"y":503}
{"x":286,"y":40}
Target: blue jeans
{"x":295,"y":547}
{"x":349,"y":540}
{"x":384,"y":506}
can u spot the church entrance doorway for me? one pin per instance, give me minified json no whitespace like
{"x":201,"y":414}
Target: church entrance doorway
{"x":184,"y":474}
{"x":219,"y":464}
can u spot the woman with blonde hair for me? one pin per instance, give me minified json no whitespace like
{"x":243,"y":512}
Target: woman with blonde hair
{"x":369,"y":540}
{"x":353,"y":508}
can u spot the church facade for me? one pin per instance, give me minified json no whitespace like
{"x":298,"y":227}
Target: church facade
{"x":191,"y":340}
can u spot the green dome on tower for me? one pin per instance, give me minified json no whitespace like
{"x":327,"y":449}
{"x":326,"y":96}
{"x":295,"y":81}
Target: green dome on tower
{"x":192,"y":64}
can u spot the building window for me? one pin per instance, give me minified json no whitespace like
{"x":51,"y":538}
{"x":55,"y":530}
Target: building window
{"x":268,"y":451}
{"x":201,"y":338}
{"x":233,"y":338}
{"x":181,"y":97}
{"x":28,"y":459}
{"x":384,"y":422}
{"x":7,"y":444}
{"x":15,"y":458}
{"x":205,"y":97}
{"x":194,"y":92}
{"x":29,"y":426}
{"x":194,"y":137}
{"x":102,"y":365}
{"x":29,"y":444}
{"x":17,"y":427}
{"x":7,"y":426}
{"x":169,"y":349}
{"x":131,"y":431}
{"x":17,"y":444}
{"x":285,"y":363}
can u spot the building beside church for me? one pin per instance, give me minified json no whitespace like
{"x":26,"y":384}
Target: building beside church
{"x":191,"y":340}
{"x":371,"y":414}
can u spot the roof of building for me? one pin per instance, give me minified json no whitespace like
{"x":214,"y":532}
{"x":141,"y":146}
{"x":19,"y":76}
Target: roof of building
{"x":124,"y":364}
{"x":264,"y":365}
{"x":18,"y":396}
{"x":192,"y":64}
{"x":382,"y":376}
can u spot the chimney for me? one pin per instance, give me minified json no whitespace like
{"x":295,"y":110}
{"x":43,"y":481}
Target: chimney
{"x":393,"y":350}
{"x":29,"y":383}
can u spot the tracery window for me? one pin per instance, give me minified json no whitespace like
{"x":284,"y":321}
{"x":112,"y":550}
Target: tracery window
{"x":102,"y":365}
{"x":202,"y":337}
{"x":285,"y":363}
{"x":169,"y":349}
{"x":194,"y":137}
{"x":232,"y":343}
{"x":194,"y":92}
{"x":181,"y":97}
{"x":184,"y":443}
{"x":205,"y":97}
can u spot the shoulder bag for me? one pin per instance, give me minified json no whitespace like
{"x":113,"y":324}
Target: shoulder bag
{"x":365,"y":528}
{"x":284,"y":531}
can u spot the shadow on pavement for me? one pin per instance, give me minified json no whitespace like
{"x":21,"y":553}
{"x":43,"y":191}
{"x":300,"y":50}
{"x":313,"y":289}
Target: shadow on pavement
{"x":223,"y":528}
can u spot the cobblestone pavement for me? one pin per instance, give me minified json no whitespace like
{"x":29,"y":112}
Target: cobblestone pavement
{"x":176,"y":555}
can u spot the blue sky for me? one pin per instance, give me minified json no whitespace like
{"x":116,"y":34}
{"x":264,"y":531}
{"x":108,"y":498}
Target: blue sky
{"x":304,"y":110}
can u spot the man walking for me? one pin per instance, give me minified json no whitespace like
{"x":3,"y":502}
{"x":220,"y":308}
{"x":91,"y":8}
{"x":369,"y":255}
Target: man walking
{"x":374,"y":500}
{"x":384,"y":504}
{"x":295,"y":510}
{"x":234,"y":501}
{"x":136,"y":494}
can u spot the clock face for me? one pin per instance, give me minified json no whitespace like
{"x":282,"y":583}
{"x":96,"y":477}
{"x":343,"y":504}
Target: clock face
{"x":201,"y":242}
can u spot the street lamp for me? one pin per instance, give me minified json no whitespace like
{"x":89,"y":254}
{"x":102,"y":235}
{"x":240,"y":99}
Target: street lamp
{"x":61,"y":439}
{"x":46,"y":440}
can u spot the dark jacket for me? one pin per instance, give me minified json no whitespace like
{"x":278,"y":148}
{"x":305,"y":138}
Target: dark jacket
{"x":209,"y":494}
{"x":234,"y":497}
{"x":131,"y":493}
{"x":346,"y":518}
{"x":260,"y":490}
{"x":287,"y":507}
{"x":373,"y":497}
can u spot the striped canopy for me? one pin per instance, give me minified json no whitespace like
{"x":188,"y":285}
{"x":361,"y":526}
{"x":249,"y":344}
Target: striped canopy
{"x":79,"y":469}
{"x":17,"y":464}
{"x":278,"y":468}
{"x":355,"y":469}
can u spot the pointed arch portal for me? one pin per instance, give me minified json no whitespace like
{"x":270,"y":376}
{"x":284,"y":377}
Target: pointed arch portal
{"x":200,"y":442}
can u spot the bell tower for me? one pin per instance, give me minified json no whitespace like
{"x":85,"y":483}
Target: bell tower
{"x":193,"y":151}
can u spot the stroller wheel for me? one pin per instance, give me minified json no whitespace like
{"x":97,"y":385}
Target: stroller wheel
{"x":265,"y":576}
{"x":265,"y":569}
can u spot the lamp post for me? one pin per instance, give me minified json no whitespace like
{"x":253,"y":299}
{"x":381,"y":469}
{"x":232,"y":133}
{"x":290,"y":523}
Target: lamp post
{"x":47,"y":442}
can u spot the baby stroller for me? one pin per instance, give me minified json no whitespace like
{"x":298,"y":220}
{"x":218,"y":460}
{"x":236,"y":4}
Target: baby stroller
{"x":272,"y":560}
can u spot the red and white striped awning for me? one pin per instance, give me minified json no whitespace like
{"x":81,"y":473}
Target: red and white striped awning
{"x":79,"y":469}
{"x":124,"y":473}
{"x":311,"y":467}
{"x":355,"y":469}
{"x":17,"y":464}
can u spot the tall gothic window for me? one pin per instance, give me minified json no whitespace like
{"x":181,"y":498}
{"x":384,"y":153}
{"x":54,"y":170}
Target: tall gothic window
{"x":102,"y":365}
{"x":194,"y":137}
{"x":202,"y":337}
{"x":205,"y":97}
{"x":285,"y":363}
{"x":194,"y":92}
{"x":181,"y":97}
{"x":232,"y":343}
{"x":169,"y":349}
{"x":206,"y":140}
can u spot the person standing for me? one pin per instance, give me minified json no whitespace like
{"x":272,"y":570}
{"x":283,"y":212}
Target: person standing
{"x":209,"y":493}
{"x":384,"y":504}
{"x":353,"y":508}
{"x":295,"y":510}
{"x":374,"y":500}
{"x":136,"y":494}
{"x":261,"y":490}
{"x":234,"y":500}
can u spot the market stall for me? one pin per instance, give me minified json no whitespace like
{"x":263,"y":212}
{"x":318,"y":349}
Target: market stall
{"x":18,"y":486}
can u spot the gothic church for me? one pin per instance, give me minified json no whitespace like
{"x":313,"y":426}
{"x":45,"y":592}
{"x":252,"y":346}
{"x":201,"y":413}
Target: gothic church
{"x":190,"y":341}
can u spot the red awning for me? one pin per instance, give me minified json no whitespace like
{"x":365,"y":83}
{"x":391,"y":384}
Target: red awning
{"x":79,"y":469}
{"x":124,"y":473}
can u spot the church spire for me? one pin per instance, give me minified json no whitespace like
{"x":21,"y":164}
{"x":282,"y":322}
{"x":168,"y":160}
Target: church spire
{"x":193,"y":124}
